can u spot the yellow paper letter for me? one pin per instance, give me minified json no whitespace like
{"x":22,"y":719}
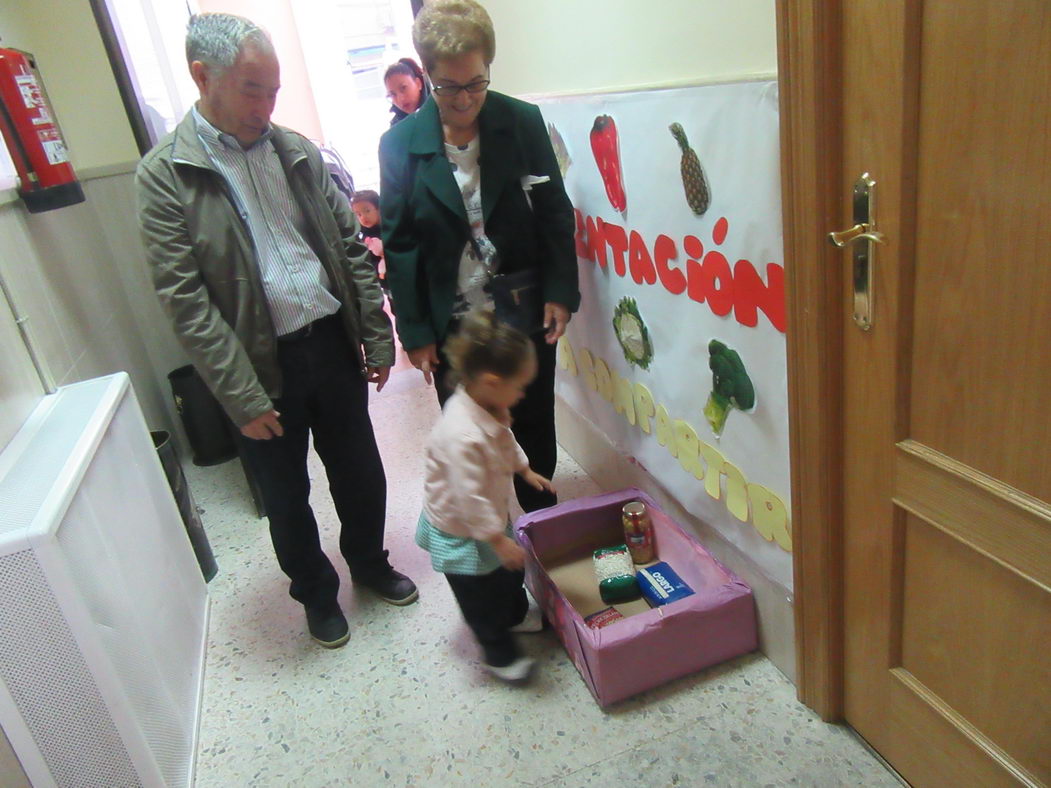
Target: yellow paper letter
{"x":624,"y":398}
{"x":736,"y":491}
{"x":605,"y":382}
{"x":686,"y":443}
{"x":770,"y":516}
{"x":644,"y":409}
{"x":587,"y":366}
{"x":565,"y":356}
{"x":665,"y":433}
{"x":713,"y":473}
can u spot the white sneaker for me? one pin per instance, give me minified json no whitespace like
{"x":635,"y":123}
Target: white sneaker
{"x":517,"y":671}
{"x":534,"y":617}
{"x":533,"y":621}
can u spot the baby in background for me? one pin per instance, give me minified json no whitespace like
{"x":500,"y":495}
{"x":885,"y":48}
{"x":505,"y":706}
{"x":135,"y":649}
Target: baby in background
{"x":471,"y":457}
{"x":366,"y":206}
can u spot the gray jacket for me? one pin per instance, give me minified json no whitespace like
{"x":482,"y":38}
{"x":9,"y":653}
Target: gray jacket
{"x":205,"y":272}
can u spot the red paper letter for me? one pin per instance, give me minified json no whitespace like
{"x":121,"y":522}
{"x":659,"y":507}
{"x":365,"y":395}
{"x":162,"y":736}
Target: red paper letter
{"x":596,"y":242}
{"x":672,"y":278}
{"x":642,"y":269}
{"x":750,"y":292}
{"x":717,"y":282}
{"x":580,"y":237}
{"x":618,"y":243}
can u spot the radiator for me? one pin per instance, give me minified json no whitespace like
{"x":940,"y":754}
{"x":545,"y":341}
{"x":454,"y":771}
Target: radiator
{"x":103,"y":609}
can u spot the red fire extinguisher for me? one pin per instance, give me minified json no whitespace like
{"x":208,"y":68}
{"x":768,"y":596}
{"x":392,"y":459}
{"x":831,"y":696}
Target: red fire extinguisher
{"x":46,"y":178}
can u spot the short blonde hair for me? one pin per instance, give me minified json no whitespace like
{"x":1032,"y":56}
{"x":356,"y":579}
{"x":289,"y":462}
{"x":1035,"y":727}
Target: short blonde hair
{"x":450,"y":28}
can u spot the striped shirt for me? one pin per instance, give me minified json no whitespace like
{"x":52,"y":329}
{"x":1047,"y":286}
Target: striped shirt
{"x":295,"y":282}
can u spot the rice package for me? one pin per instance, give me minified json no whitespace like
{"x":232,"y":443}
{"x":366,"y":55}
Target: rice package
{"x":616,"y":574}
{"x":660,"y":585}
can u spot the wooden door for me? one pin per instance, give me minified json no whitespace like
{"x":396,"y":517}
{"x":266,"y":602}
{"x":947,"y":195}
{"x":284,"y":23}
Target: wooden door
{"x":947,"y":399}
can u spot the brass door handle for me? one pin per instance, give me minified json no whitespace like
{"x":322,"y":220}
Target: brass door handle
{"x":856,"y":233}
{"x":863,"y":254}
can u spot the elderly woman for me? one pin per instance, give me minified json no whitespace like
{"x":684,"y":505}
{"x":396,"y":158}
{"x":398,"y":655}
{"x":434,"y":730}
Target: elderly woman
{"x":475,"y":216}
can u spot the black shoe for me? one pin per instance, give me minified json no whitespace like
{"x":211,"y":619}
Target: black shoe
{"x":391,"y":586}
{"x":328,"y":626}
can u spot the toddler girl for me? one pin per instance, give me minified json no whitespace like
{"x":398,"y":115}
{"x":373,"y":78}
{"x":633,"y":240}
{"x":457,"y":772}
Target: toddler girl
{"x":471,"y":457}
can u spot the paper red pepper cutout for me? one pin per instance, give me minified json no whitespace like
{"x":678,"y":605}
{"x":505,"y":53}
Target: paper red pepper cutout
{"x":607,"y":156}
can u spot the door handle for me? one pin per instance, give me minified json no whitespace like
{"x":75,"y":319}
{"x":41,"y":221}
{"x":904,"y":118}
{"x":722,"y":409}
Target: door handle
{"x":862,"y":238}
{"x":855,"y":233}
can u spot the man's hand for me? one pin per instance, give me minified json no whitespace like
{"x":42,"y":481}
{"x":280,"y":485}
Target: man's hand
{"x":534,"y":479}
{"x":263,"y":428}
{"x":378,"y":375}
{"x":556,"y":317}
{"x":425,"y":359}
{"x":510,"y":553}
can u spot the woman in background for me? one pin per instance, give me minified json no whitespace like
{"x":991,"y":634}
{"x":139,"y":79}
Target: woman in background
{"x":406,"y":88}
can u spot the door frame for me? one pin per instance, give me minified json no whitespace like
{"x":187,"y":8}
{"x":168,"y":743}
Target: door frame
{"x":810,"y":86}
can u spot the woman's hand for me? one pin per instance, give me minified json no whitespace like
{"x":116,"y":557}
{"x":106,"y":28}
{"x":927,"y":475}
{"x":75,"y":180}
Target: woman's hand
{"x":425,"y":359}
{"x":510,"y":553}
{"x":534,"y":479}
{"x":556,"y":316}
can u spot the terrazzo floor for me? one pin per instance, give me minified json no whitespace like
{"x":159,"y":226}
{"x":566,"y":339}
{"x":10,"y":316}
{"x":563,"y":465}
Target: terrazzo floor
{"x":406,"y":703}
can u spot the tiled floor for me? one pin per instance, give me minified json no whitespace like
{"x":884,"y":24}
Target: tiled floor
{"x":405,"y":703}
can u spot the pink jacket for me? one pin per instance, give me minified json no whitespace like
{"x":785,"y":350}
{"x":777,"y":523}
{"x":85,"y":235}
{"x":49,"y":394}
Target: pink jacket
{"x":471,"y":458}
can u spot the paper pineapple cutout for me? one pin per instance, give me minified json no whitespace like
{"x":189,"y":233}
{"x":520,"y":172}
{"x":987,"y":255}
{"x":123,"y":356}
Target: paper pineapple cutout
{"x":698,"y":195}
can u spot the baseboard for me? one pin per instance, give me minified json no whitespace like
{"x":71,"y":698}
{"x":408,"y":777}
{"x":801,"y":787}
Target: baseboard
{"x":613,"y":470}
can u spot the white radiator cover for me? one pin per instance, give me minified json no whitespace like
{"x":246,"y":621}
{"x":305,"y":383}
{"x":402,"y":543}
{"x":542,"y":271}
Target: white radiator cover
{"x":103,"y":609}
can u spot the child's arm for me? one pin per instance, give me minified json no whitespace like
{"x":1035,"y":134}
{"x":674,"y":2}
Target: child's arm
{"x":374,"y":245}
{"x":534,"y":479}
{"x":510,"y":553}
{"x":531,"y":477}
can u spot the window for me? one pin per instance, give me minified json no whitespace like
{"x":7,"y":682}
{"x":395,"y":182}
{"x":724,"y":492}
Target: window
{"x":345,"y":63}
{"x":346,"y":45}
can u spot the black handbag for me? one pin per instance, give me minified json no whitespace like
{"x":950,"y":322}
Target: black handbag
{"x":518,"y":301}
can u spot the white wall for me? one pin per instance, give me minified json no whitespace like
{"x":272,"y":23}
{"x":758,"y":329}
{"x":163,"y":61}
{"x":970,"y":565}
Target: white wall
{"x":563,"y":46}
{"x":20,"y":388}
{"x":72,"y":61}
{"x":78,"y":273}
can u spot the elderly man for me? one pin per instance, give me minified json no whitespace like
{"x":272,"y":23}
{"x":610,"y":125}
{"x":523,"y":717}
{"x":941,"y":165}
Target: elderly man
{"x":254,"y":257}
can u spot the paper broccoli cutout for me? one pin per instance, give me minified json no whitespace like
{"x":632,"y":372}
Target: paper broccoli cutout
{"x":731,"y":386}
{"x":632,"y":333}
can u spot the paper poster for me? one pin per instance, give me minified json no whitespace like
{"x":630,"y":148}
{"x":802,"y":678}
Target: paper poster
{"x":678,"y":351}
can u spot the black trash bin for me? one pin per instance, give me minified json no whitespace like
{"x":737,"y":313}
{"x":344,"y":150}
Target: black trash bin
{"x":187,"y":508}
{"x":207,"y":426}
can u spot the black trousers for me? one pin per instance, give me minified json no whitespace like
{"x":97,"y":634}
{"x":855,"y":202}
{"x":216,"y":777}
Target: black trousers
{"x":324,"y":394}
{"x":533,"y":419}
{"x":491,"y":604}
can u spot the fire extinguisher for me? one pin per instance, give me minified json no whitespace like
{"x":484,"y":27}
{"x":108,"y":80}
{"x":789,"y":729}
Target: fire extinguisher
{"x":46,"y":178}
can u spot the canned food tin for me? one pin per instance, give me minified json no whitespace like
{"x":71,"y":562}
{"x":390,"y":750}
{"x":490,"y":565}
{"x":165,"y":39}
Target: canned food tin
{"x":638,"y":532}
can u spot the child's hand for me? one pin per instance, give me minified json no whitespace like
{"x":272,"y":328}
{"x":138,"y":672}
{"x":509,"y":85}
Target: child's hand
{"x":375,"y":245}
{"x":534,"y":479}
{"x":510,"y":553}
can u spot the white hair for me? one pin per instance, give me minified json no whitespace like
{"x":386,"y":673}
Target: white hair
{"x":217,"y":39}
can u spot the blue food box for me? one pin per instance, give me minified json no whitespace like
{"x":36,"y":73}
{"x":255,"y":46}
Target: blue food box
{"x":660,"y":585}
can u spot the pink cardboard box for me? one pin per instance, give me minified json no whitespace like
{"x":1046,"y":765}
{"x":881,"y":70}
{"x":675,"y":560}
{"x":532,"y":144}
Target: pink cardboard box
{"x":650,"y":646}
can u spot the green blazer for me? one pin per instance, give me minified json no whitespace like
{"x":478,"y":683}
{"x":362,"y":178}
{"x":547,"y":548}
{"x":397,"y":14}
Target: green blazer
{"x":425,"y":225}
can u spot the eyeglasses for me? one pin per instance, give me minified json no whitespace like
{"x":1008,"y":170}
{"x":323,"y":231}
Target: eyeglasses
{"x":454,"y":90}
